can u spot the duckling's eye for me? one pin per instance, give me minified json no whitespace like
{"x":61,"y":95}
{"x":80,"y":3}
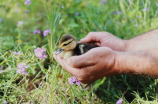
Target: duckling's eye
{"x":64,"y":44}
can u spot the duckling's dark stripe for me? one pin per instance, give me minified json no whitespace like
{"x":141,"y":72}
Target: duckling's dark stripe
{"x":67,"y":43}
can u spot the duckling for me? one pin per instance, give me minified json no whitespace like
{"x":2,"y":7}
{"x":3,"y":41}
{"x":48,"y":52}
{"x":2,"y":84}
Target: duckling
{"x":68,"y":47}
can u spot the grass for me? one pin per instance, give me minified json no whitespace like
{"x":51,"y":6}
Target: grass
{"x":46,"y":82}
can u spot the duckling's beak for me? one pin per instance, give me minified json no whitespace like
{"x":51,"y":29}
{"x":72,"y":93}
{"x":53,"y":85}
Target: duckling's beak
{"x":59,"y":51}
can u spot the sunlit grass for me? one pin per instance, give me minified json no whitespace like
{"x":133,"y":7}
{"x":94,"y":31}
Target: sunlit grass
{"x":46,"y":82}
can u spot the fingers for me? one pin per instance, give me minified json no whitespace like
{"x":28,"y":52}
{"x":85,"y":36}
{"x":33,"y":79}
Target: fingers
{"x":89,"y":38}
{"x":58,"y":59}
{"x":82,"y":74}
{"x":64,"y":64}
{"x":81,"y":61}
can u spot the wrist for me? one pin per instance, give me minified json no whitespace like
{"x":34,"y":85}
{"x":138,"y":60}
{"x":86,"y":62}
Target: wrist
{"x":125,"y":63}
{"x":117,"y":66}
{"x":118,"y":62}
{"x":133,"y":63}
{"x":126,"y":45}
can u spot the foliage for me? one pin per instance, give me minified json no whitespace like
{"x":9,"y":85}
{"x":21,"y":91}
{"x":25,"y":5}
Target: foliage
{"x":46,"y":81}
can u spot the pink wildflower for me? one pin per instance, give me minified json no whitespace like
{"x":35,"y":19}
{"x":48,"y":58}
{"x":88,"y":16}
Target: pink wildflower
{"x":40,"y":53}
{"x":119,"y":12}
{"x":17,"y":53}
{"x":145,"y":9}
{"x":103,"y":2}
{"x":27,"y":11}
{"x":73,"y":79}
{"x":27,"y":2}
{"x":77,"y":14}
{"x":22,"y":68}
{"x":36,"y":32}
{"x":20,"y":23}
{"x":70,"y":81}
{"x":61,"y":101}
{"x":45,"y":33}
{"x":119,"y":101}
{"x":78,"y":82}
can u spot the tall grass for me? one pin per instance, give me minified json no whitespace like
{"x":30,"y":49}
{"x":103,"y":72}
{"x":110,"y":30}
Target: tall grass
{"x":46,"y":82}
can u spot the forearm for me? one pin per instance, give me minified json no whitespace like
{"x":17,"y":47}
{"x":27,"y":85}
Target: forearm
{"x":145,"y":41}
{"x":140,"y":62}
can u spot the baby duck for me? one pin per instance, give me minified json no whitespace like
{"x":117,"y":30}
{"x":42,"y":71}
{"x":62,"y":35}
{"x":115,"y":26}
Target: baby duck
{"x":68,"y":47}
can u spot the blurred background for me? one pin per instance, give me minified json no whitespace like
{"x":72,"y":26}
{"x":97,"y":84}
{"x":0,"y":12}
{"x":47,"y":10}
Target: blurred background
{"x":20,"y":18}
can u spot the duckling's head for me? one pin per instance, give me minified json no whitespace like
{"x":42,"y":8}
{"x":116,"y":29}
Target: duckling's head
{"x":66,"y":43}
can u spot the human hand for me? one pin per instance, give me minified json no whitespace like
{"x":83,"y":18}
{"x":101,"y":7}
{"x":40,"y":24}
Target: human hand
{"x":105,"y":39}
{"x":94,"y":64}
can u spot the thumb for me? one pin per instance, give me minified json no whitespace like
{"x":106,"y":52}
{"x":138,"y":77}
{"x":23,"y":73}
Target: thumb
{"x":80,"y":61}
{"x":87,"y":39}
{"x":91,"y":37}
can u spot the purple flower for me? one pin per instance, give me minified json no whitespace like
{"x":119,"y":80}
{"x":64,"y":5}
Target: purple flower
{"x":76,"y":14}
{"x":20,"y":23}
{"x":22,"y":68}
{"x":133,"y":21}
{"x":4,"y":101}
{"x":45,"y":33}
{"x":1,"y":20}
{"x":17,"y":53}
{"x":27,"y":2}
{"x":113,"y":12}
{"x":62,"y":7}
{"x":119,"y":101}
{"x":78,"y":82}
{"x":27,"y":11}
{"x":103,"y":2}
{"x":145,"y":9}
{"x":119,"y":12}
{"x":136,"y":25}
{"x":40,"y":53}
{"x":36,"y":32}
{"x":61,"y":101}
{"x":73,"y":79}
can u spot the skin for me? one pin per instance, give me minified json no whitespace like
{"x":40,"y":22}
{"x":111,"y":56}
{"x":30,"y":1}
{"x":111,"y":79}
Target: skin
{"x":138,"y":55}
